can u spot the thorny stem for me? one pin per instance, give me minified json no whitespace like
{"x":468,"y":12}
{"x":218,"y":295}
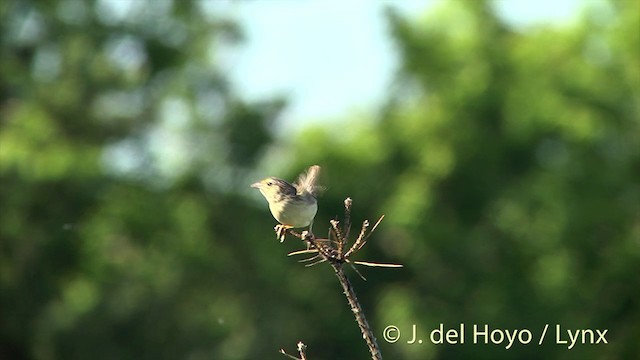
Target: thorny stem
{"x":347,"y":220}
{"x":301,"y":349}
{"x":350,"y":293}
{"x":326,"y":252}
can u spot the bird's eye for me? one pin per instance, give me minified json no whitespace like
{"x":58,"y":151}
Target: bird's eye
{"x":269,"y":183}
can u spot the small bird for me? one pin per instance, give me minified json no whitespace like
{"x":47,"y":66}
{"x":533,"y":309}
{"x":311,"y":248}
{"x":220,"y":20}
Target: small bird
{"x":294,"y":206}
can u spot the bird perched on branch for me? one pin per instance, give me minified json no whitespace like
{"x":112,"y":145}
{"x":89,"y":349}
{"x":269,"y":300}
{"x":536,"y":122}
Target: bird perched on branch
{"x":294,"y":206}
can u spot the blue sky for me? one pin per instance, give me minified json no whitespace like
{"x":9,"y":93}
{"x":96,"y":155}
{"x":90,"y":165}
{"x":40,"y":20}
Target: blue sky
{"x":333,"y":57}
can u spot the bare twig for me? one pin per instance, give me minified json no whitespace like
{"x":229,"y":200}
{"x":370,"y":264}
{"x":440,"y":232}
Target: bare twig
{"x":366,"y":263}
{"x":338,"y":235}
{"x":357,"y":271}
{"x":331,"y":250}
{"x":375,"y":226}
{"x":316,"y":262}
{"x":356,"y":308}
{"x":347,"y":219}
{"x":301,"y":350}
{"x":356,"y":245}
{"x":300,"y":252}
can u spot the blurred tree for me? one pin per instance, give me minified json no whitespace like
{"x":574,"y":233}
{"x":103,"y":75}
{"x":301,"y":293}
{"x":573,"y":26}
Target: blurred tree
{"x":508,"y":165}
{"x":121,"y":149}
{"x":506,"y":162}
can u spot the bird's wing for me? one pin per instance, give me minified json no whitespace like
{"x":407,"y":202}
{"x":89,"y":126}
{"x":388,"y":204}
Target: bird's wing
{"x":308,"y":181}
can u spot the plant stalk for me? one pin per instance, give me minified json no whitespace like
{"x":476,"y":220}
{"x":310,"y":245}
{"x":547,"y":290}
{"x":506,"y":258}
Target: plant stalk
{"x":350,"y":293}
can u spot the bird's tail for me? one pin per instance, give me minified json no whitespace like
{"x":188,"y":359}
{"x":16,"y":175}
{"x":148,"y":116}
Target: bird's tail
{"x":308,"y":181}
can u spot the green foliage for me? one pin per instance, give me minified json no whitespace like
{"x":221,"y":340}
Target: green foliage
{"x":508,"y":174}
{"x":506,"y":163}
{"x":115,"y":241}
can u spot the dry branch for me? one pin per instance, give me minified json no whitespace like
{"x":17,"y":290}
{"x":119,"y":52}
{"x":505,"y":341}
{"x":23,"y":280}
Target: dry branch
{"x":331,"y":250}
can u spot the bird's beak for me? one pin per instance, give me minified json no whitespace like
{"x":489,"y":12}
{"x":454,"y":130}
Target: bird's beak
{"x":256,"y":185}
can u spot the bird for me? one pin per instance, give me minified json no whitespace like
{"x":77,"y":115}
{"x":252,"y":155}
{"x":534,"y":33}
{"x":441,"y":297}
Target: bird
{"x":292,"y":205}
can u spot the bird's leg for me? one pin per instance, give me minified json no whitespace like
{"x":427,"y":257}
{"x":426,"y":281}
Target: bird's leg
{"x":310,"y":232}
{"x":281,"y":231}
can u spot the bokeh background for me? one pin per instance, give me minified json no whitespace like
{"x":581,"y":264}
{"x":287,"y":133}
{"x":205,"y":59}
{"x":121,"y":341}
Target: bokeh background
{"x":507,"y":162}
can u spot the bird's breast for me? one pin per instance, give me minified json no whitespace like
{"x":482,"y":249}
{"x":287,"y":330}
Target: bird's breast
{"x":296,"y":213}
